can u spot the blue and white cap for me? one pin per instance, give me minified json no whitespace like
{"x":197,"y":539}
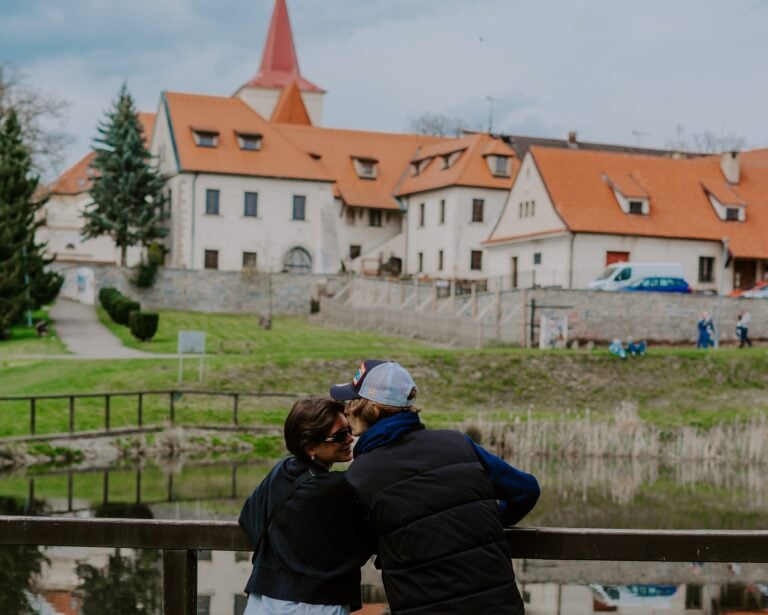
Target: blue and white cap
{"x":384,"y":382}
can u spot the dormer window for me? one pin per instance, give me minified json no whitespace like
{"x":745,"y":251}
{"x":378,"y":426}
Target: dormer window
{"x":249,"y":141}
{"x":499,"y":165}
{"x":418,"y":166}
{"x":366,"y":168}
{"x":450,"y":159}
{"x":206,"y":138}
{"x":725,"y":200}
{"x":631,"y":197}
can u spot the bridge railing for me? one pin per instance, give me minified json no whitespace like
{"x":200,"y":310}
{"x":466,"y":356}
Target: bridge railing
{"x":180,"y":541}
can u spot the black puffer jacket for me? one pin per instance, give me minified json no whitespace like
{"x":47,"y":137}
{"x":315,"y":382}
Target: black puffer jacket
{"x":317,"y":541}
{"x":441,"y":542}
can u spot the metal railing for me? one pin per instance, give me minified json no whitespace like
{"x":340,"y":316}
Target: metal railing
{"x":171,"y":396}
{"x":180,"y":541}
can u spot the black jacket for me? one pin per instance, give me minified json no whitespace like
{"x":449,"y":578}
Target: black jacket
{"x":317,"y":541}
{"x":441,"y":542}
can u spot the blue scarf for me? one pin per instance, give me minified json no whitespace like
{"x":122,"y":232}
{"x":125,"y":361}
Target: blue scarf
{"x":387,"y":430}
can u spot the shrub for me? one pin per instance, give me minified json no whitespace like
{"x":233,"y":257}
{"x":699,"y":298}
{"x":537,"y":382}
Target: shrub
{"x":143,"y":325}
{"x":122,"y":309}
{"x":146,"y":270}
{"x":107,"y":296}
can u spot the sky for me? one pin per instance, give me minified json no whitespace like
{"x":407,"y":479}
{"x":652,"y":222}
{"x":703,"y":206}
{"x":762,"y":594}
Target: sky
{"x":614,"y":71}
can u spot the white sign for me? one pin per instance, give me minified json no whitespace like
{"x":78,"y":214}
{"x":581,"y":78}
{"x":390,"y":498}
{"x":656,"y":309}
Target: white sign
{"x":553,"y":332}
{"x":191,"y":342}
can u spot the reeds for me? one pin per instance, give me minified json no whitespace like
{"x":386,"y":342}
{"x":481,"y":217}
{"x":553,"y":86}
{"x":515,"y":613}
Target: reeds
{"x":625,"y":436}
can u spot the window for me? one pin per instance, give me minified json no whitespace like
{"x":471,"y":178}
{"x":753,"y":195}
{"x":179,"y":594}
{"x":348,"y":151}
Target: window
{"x":367,"y":169}
{"x":203,"y":605}
{"x":204,"y":555}
{"x":439,"y":260}
{"x":249,"y":260}
{"x":442,"y":211}
{"x":297,"y":260}
{"x":354,"y":251}
{"x":533,"y":208}
{"x":476,"y":260}
{"x":251,"y":204}
{"x":242,"y":556}
{"x":299,"y":207}
{"x":526,"y":209}
{"x":212,"y":202}
{"x":374,"y":217}
{"x":636,"y":207}
{"x":520,"y":209}
{"x":211,"y":259}
{"x":706,"y":269}
{"x":537,"y":258}
{"x":249,"y":142}
{"x":732,"y":213}
{"x":477,"y":210}
{"x":241,"y":601}
{"x":350,"y":216}
{"x":206,"y":138}
{"x":421,"y":262}
{"x":421,"y":214}
{"x":501,"y":166}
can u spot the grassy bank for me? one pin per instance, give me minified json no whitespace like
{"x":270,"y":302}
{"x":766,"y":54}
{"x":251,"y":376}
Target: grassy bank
{"x":669,"y":387}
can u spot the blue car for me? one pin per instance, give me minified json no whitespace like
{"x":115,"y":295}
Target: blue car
{"x":660,"y":285}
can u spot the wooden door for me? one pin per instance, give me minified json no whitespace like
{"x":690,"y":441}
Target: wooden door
{"x":616,"y":257}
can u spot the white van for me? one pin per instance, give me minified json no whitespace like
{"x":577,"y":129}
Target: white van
{"x":619,"y":275}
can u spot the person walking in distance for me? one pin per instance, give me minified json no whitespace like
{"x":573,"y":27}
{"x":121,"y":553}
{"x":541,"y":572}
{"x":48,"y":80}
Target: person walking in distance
{"x":437,"y":501}
{"x":742,"y":328}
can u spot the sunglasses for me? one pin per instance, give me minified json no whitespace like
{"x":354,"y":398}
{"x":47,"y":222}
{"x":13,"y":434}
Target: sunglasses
{"x":339,"y":437}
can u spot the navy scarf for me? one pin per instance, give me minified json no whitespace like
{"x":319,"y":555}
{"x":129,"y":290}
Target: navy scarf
{"x":387,"y":430}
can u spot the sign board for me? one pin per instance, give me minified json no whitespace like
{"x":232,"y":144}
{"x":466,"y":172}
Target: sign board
{"x":553,"y":332}
{"x":191,"y":342}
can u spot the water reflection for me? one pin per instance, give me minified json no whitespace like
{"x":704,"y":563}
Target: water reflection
{"x":586,"y":492}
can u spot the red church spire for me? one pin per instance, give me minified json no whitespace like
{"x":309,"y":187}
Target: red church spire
{"x":279,"y":63}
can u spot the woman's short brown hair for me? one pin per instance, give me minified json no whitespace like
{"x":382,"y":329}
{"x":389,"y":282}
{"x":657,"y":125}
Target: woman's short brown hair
{"x":310,"y":420}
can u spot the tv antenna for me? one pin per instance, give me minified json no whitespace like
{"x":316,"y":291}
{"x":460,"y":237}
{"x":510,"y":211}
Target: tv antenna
{"x":639,"y":134}
{"x":491,"y":100}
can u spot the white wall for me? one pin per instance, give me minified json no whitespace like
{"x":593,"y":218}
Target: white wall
{"x":263,"y":101}
{"x":457,"y":236}
{"x":358,"y":231}
{"x":552,"y":270}
{"x":271,"y":234}
{"x":64,"y":222}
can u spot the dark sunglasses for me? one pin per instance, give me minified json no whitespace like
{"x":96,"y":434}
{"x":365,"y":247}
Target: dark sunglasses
{"x":339,"y":437}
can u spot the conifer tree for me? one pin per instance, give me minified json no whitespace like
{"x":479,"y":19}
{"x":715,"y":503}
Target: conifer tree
{"x":24,"y":282}
{"x":127,"y":191}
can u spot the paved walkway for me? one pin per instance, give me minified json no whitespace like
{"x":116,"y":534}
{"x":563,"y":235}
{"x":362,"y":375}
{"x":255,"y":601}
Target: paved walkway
{"x":79,"y":328}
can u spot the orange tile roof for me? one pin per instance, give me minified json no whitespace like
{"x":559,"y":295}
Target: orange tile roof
{"x":679,"y":206}
{"x":626,"y":184}
{"x":337,"y":148}
{"x":469,"y":169}
{"x":77,"y":178}
{"x":278,"y":156}
{"x":290,"y":107}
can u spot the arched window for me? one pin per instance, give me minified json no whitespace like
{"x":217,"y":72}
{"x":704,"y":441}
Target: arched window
{"x":297,"y":260}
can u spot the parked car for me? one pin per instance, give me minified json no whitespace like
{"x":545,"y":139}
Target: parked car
{"x":741,"y":292}
{"x":620,"y":275}
{"x":760,"y":293}
{"x":659,"y":285}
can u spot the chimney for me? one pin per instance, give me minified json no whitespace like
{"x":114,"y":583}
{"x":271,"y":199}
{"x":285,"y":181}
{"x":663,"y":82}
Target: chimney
{"x":572,"y":139}
{"x":729,"y":165}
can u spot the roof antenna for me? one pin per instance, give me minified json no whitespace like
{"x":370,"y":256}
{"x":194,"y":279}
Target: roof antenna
{"x":639,"y":134}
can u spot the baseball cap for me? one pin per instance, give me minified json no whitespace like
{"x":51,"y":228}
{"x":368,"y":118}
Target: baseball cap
{"x":384,"y":382}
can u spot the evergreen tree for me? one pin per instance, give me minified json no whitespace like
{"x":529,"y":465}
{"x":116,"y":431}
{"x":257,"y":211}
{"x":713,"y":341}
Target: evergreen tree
{"x":24,"y":282}
{"x":127,"y":191}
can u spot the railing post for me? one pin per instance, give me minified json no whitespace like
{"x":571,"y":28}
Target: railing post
{"x":235,"y":400}
{"x":172,"y":407}
{"x":105,"y":489}
{"x":70,"y":490}
{"x":179,"y":582}
{"x":32,"y":416}
{"x":71,"y":414}
{"x":106,"y":412}
{"x":140,"y":409}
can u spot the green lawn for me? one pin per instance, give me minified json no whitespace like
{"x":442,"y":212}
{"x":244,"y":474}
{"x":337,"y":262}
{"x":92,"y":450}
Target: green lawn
{"x":670,"y":387}
{"x":24,"y":339}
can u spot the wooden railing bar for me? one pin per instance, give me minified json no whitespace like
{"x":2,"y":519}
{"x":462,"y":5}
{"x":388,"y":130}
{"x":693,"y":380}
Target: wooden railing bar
{"x":744,"y":546}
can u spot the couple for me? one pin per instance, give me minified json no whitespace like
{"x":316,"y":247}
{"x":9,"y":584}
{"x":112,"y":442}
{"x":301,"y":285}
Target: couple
{"x":431,"y":504}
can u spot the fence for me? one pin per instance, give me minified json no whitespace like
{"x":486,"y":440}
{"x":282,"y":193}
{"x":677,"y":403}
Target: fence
{"x":171,"y":397}
{"x":180,"y":541}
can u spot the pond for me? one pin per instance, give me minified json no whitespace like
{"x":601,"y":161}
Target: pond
{"x":576,"y":493}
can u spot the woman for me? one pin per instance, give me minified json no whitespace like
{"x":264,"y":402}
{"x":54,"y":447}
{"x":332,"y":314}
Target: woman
{"x":438,"y":501}
{"x":309,"y":536}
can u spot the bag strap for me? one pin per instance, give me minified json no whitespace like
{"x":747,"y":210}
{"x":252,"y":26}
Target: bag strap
{"x":300,"y":479}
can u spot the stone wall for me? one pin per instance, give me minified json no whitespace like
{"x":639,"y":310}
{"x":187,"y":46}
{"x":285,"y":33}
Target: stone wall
{"x":214,"y":291}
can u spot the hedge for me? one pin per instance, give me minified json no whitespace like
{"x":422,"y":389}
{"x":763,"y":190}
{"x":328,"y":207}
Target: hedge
{"x":143,"y":325}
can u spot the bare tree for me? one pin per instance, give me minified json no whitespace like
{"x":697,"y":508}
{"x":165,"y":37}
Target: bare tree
{"x":35,"y":111}
{"x":436,"y":124}
{"x":706,"y":142}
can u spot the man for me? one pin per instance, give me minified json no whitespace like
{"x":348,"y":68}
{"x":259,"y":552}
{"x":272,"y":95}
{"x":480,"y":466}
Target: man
{"x":438,"y":502}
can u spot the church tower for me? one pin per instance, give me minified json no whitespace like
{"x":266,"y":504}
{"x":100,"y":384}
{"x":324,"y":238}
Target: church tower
{"x":279,"y":69}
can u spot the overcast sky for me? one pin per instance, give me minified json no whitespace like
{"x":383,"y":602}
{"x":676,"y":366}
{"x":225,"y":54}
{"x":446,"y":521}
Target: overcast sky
{"x":615,"y":71}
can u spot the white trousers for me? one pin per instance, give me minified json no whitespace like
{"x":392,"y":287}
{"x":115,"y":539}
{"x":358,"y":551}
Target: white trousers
{"x":264,"y":605}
